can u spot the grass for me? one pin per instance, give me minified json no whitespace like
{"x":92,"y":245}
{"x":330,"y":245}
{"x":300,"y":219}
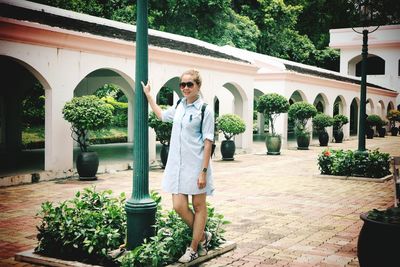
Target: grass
{"x":33,"y":137}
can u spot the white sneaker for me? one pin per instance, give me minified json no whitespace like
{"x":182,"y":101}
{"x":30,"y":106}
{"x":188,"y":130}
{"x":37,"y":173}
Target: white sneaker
{"x":190,"y":255}
{"x":203,"y":245}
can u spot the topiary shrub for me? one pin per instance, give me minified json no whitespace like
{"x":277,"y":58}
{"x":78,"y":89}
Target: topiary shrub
{"x":301,"y":112}
{"x":373,"y":120}
{"x":338,"y":121}
{"x":321,"y":121}
{"x":393,"y":116}
{"x":231,"y":125}
{"x":272,"y":105}
{"x":86,"y":113}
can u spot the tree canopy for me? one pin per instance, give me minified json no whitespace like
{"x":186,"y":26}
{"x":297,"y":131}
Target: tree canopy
{"x":297,"y":30}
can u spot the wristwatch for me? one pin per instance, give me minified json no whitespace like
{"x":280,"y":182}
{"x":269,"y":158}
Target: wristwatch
{"x":204,"y":170}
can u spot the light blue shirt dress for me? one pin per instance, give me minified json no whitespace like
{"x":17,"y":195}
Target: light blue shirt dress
{"x":185,"y":156}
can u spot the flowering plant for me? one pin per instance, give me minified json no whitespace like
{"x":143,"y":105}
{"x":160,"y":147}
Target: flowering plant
{"x":373,"y":164}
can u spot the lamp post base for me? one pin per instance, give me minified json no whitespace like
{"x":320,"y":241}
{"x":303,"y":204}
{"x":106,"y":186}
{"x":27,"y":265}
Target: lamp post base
{"x":141,"y":218}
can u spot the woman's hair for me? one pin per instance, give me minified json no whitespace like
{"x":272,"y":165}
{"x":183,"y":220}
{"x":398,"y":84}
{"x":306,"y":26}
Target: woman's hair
{"x":195,"y":74}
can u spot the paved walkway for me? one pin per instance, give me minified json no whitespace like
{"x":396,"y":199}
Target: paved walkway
{"x":281,"y":215}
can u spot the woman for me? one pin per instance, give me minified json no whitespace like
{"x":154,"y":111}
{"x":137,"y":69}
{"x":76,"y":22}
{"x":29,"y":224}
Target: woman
{"x":188,"y":169}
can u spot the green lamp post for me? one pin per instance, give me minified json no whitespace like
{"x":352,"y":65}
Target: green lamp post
{"x":140,"y":208}
{"x":366,"y":18}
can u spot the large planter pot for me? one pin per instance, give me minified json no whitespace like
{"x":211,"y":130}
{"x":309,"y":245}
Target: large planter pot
{"x":164,"y":155}
{"x":377,"y":241}
{"x":273,"y":144}
{"x":303,"y":141}
{"x":338,"y":135}
{"x":394,"y":131}
{"x":228,"y":149}
{"x":370,"y":133}
{"x":323,"y":138}
{"x":87,"y":164}
{"x":382,"y":132}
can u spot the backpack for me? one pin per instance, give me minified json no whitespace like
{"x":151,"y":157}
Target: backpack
{"x":203,"y":108}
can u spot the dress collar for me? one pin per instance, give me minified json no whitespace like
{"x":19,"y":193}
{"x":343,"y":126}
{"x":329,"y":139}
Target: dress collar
{"x":197,"y":104}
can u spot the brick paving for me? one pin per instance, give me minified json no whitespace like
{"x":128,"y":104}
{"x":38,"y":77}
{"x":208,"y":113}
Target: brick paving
{"x":280,"y":213}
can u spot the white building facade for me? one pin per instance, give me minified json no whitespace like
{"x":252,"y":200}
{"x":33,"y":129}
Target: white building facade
{"x":72,"y":54}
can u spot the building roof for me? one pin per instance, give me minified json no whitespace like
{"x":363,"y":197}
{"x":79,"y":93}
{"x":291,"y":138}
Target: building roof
{"x":69,"y":20}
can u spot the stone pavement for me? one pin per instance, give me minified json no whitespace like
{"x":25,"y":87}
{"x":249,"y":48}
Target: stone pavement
{"x":280,"y":213}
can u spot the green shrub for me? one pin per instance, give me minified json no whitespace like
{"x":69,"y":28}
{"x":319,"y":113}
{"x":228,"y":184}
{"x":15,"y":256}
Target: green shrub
{"x":321,"y":121}
{"x":120,"y":113}
{"x":86,"y":113}
{"x":171,"y":239}
{"x":393,"y":116}
{"x":300,"y":113}
{"x":272,"y":105}
{"x":373,"y":120}
{"x":325,"y":162}
{"x":338,"y":121}
{"x":373,"y":164}
{"x":342,"y":163}
{"x":390,"y":215}
{"x":378,"y":164}
{"x":86,"y":227}
{"x":231,"y":125}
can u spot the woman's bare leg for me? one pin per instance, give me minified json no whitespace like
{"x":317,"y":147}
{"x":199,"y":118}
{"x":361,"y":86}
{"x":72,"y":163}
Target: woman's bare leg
{"x":200,"y":218}
{"x":180,"y":203}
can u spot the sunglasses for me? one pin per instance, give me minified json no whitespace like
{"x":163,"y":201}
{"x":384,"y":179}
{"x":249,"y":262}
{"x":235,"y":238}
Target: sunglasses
{"x":188,"y":84}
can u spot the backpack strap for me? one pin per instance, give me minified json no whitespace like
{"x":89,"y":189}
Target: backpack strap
{"x":203,"y":108}
{"x":177,"y":103}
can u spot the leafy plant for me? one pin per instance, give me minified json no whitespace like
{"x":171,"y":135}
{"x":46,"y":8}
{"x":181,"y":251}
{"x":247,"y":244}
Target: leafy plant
{"x":390,"y":215}
{"x":393,"y":116}
{"x":86,"y":113}
{"x":231,"y":125}
{"x":163,"y":129}
{"x":321,"y":121}
{"x":86,"y":227}
{"x":338,"y":121}
{"x":301,"y":112}
{"x":171,"y":239}
{"x":373,"y":164}
{"x":120,"y":112}
{"x":272,"y":105}
{"x":325,"y":162}
{"x":373,"y":120}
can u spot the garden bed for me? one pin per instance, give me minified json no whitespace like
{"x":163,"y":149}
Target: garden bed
{"x":30,"y":256}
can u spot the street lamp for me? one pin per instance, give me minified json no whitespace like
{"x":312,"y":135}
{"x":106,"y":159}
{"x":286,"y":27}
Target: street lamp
{"x":140,"y":208}
{"x":366,"y":15}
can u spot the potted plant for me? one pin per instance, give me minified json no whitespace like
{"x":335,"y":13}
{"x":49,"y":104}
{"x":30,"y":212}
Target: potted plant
{"x":320,"y":122}
{"x":338,"y":121}
{"x":371,"y":121}
{"x":378,"y":237}
{"x":381,"y":129}
{"x":393,"y":116}
{"x":86,"y":113}
{"x":272,"y":105}
{"x":301,"y":112}
{"x":163,"y":134}
{"x":230,"y":125}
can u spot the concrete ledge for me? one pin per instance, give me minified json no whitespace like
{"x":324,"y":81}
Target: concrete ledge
{"x":365,"y":179}
{"x":30,"y":257}
{"x":223,"y":248}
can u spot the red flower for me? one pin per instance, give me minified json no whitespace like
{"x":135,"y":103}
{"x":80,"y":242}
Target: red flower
{"x":327,"y":153}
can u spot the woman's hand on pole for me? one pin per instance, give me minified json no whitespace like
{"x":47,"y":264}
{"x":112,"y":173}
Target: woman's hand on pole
{"x":156,"y":109}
